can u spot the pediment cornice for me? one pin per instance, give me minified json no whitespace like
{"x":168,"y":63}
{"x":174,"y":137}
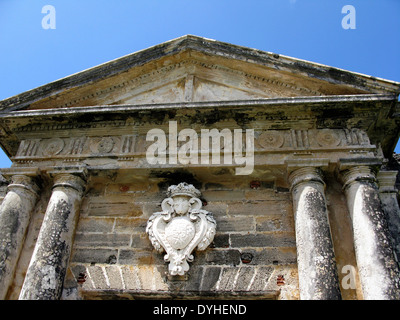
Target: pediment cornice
{"x":254,"y":72}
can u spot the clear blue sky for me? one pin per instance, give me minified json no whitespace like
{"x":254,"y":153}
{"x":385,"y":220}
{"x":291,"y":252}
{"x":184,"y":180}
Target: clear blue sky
{"x":91,"y":32}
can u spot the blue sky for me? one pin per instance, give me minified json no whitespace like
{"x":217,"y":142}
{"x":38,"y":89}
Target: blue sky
{"x":91,"y":32}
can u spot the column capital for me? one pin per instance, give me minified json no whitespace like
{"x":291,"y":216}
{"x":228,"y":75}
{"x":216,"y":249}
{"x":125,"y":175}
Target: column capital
{"x":75,"y":178}
{"x":305,"y":174}
{"x":350,"y":170}
{"x":360,"y":173}
{"x":22,"y":178}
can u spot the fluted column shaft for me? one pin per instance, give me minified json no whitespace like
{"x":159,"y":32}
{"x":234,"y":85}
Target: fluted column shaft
{"x":48,"y":265}
{"x":379,"y":274}
{"x":318,"y":279}
{"x":15,"y":213}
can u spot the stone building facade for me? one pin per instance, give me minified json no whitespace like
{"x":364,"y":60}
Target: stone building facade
{"x":302,"y":187}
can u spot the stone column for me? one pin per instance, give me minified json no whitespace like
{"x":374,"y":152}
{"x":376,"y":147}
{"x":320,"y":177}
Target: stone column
{"x":15,"y":214}
{"x":318,"y":279}
{"x":375,"y":260}
{"x":390,"y":205}
{"x":49,"y":262}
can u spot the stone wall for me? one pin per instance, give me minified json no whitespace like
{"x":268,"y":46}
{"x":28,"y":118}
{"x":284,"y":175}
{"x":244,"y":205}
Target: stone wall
{"x":253,"y":253}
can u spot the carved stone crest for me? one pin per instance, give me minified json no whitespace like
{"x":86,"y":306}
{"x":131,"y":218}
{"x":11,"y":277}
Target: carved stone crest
{"x":181,"y":227}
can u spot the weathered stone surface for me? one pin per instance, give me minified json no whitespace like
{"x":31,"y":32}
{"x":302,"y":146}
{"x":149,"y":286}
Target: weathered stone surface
{"x":379,"y":273}
{"x":303,"y":115}
{"x":47,"y":269}
{"x":390,"y":206}
{"x":97,"y":255}
{"x":15,"y":214}
{"x":318,"y":279}
{"x":181,"y":227}
{"x":166,"y":61}
{"x":142,"y":281}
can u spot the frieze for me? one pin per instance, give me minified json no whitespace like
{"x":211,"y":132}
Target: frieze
{"x":126,"y":147}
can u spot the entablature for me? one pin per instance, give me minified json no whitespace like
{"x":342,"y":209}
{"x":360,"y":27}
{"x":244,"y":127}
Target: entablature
{"x":289,"y":127}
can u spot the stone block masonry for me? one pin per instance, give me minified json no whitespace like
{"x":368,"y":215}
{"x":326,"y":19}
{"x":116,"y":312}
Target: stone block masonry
{"x":254,"y":246}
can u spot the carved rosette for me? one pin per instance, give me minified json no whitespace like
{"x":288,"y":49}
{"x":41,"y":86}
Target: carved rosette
{"x":270,"y":139}
{"x":102,"y":145}
{"x":328,"y":138}
{"x":52,"y":147}
{"x":181,"y":227}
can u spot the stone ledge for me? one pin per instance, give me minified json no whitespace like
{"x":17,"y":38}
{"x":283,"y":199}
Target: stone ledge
{"x":119,"y":281}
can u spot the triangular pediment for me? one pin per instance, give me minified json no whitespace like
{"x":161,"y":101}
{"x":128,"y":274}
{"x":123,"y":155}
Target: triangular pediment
{"x":187,"y":89}
{"x":195,"y":69}
{"x":191,"y":84}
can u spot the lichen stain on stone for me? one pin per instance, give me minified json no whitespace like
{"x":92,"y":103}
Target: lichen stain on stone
{"x":14,"y":225}
{"x":63,"y":210}
{"x":49,"y":280}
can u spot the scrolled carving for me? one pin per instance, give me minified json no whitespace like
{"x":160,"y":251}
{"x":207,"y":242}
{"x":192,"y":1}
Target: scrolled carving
{"x":181,"y":227}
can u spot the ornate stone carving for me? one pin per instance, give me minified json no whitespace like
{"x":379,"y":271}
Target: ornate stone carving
{"x":52,"y":147}
{"x":128,"y":143}
{"x":300,"y":138}
{"x":328,"y":138}
{"x":105,"y":145}
{"x":181,"y":227}
{"x":28,"y":148}
{"x":102,"y":145}
{"x":77,"y":144}
{"x":270,"y":139}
